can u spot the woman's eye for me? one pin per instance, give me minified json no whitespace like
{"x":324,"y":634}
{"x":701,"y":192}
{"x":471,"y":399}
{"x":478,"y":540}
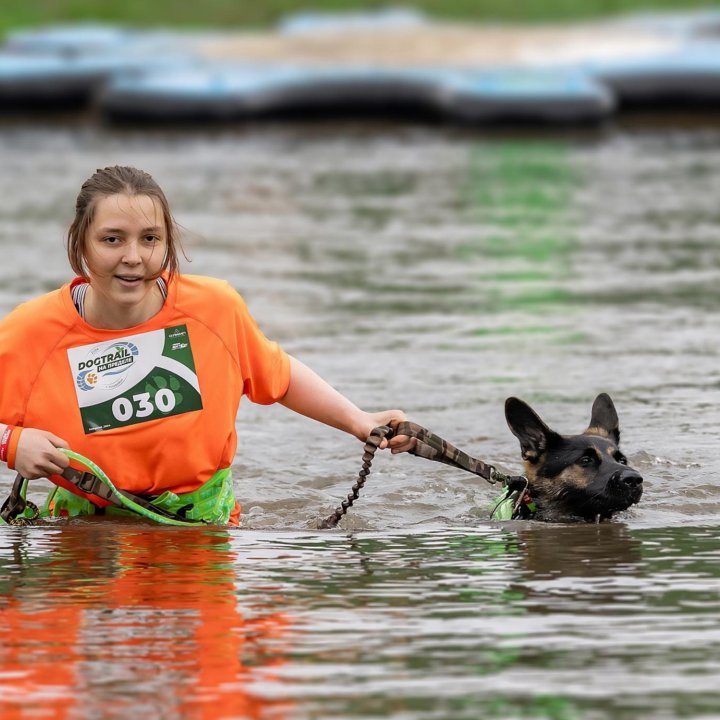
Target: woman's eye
{"x":152,"y":238}
{"x":111,"y":239}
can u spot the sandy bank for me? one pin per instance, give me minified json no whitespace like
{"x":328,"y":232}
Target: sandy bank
{"x":437,"y":44}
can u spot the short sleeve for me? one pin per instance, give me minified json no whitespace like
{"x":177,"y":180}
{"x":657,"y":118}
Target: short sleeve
{"x":17,"y":363}
{"x":264,"y":365}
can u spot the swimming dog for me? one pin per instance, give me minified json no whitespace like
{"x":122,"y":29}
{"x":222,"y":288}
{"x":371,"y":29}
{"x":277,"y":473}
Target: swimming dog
{"x":578,"y":477}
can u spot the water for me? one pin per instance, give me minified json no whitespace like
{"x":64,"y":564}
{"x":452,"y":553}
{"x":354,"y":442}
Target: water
{"x":439,"y":271}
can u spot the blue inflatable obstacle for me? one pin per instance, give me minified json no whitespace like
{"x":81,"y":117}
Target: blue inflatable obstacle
{"x":66,"y":66}
{"x":42,"y":81}
{"x":698,"y":23}
{"x":688,"y":75}
{"x":310,"y":22}
{"x":229,"y":93}
{"x":70,"y":40}
{"x":526,"y":96}
{"x":46,"y":81}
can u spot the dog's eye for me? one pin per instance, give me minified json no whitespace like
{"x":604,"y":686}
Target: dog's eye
{"x":621,"y":459}
{"x":586,"y":461}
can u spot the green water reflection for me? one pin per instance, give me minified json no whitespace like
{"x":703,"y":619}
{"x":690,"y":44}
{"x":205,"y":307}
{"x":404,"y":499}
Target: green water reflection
{"x":521,"y":195}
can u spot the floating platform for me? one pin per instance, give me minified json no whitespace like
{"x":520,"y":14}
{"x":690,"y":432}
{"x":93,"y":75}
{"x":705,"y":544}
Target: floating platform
{"x":389,"y":64}
{"x":49,"y":81}
{"x":517,"y":95}
{"x":687,"y":77}
{"x":41,"y":81}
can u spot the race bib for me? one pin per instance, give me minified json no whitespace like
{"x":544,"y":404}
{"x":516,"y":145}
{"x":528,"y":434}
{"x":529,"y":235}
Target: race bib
{"x":135,"y":379}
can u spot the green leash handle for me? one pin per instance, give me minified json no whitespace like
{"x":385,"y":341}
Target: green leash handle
{"x":127,"y":502}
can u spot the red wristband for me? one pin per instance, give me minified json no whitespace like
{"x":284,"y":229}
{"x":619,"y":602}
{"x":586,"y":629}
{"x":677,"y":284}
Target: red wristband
{"x":5,"y":441}
{"x":12,"y":446}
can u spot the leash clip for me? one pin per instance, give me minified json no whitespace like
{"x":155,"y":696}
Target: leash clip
{"x":496,"y":476}
{"x":14,"y":509}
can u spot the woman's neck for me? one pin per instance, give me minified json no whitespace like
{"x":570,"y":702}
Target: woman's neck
{"x":110,"y":316}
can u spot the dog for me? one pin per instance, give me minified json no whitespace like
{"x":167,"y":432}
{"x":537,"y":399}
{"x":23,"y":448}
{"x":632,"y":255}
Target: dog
{"x":578,"y":477}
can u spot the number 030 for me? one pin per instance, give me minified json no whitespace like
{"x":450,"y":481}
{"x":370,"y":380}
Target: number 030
{"x":142,"y":406}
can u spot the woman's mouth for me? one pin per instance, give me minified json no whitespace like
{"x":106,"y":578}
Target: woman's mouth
{"x":130,"y":280}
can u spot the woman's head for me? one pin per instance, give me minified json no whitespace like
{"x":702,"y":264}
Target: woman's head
{"x":117,"y":180}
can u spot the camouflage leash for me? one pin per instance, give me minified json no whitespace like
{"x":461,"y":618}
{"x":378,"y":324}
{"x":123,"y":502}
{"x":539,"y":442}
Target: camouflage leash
{"x":429,"y":446}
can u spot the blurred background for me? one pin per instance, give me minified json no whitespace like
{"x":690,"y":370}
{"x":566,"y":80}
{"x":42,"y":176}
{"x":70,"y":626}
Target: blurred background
{"x":228,"y":14}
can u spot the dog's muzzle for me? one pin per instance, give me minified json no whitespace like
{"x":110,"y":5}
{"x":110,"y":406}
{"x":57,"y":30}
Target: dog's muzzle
{"x":627,"y":483}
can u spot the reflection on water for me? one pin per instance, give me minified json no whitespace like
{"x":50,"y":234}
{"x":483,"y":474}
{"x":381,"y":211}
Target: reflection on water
{"x":439,"y":271}
{"x":521,"y":620}
{"x":144,"y":622}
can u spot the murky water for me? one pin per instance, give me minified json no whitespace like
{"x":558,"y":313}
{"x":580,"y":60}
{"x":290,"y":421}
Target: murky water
{"x":439,"y":271}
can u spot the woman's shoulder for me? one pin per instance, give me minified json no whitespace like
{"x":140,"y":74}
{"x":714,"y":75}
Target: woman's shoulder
{"x":38,"y":317}
{"x":206,"y":289}
{"x":38,"y":309}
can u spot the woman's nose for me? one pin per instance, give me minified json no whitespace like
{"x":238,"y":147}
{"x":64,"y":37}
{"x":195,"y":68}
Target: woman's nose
{"x":131,"y":256}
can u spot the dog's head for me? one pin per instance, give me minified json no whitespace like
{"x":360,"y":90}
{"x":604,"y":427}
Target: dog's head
{"x":576,"y":477}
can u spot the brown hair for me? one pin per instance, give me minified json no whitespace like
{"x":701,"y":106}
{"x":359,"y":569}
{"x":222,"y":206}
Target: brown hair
{"x":117,"y":180}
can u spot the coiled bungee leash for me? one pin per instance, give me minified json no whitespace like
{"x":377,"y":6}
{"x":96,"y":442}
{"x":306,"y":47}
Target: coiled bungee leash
{"x":513,"y":503}
{"x":92,"y":481}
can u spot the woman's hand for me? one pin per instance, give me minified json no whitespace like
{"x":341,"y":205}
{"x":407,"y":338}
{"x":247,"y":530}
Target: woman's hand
{"x":397,"y":444}
{"x":37,"y":454}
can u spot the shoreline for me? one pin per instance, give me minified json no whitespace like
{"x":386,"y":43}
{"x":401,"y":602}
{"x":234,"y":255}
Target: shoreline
{"x":445,"y":45}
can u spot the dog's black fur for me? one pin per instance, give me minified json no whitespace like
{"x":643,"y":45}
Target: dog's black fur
{"x":578,"y":477}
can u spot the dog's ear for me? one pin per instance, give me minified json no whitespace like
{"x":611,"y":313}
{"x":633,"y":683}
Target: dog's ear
{"x":604,"y":419}
{"x":534,"y":435}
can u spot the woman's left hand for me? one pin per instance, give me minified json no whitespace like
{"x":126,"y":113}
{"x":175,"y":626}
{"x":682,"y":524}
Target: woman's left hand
{"x":397,"y":444}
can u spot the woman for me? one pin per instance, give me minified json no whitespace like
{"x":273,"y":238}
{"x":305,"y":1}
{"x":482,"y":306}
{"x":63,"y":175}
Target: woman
{"x":141,"y":368}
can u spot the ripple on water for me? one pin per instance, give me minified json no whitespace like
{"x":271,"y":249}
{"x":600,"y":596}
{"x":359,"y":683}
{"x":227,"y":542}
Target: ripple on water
{"x":439,"y":271}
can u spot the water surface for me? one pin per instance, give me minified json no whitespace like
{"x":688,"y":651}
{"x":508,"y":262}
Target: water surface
{"x":439,"y":271}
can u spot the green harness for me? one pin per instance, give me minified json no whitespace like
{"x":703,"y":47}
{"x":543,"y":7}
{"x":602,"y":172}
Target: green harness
{"x":211,"y":504}
{"x":514,"y":503}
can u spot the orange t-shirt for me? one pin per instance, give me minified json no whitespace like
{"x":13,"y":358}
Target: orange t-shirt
{"x":153,"y":405}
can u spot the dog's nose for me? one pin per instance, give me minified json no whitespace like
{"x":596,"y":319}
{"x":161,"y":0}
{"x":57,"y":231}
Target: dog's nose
{"x":633,"y":483}
{"x":628,"y":482}
{"x":632,"y":479}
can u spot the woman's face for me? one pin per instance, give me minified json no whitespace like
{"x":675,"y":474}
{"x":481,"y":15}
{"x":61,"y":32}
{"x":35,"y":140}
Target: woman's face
{"x":124,"y":250}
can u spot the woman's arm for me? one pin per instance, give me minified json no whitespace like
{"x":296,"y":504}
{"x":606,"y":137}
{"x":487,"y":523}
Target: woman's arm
{"x":309,"y":395}
{"x":37,"y":453}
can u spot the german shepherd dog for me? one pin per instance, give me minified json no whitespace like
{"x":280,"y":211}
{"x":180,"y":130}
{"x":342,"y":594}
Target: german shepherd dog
{"x":577,"y":477}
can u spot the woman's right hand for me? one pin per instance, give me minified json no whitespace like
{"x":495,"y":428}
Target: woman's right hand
{"x":37,"y":454}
